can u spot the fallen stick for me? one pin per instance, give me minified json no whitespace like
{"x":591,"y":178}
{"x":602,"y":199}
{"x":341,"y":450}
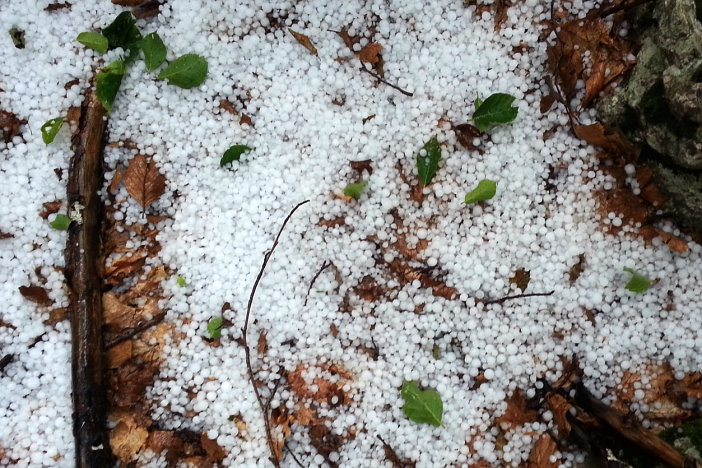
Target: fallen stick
{"x":84,"y":286}
{"x":628,"y":429}
{"x":132,"y":332}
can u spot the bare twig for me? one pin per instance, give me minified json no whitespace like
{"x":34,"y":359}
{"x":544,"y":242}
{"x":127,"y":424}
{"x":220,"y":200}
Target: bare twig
{"x":325,"y":265}
{"x":245,"y":343}
{"x":135,"y":331}
{"x":5,"y":360}
{"x":516,"y":296}
{"x":383,"y":80}
{"x":292,"y":454}
{"x":393,"y":457}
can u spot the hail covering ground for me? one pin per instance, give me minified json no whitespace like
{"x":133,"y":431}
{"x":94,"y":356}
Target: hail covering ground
{"x":221,"y":222}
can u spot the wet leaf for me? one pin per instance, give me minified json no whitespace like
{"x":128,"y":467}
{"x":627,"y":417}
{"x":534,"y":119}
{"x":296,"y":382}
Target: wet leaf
{"x":143,"y":181}
{"x":466,"y":135}
{"x":485,"y":190}
{"x":108,"y":81}
{"x":497,"y":109}
{"x":187,"y":71}
{"x":123,"y":33}
{"x":369,"y":54}
{"x":428,"y":161}
{"x":36,"y":294}
{"x":95,"y":41}
{"x":17,"y":36}
{"x":608,"y":138}
{"x":422,"y":406}
{"x":233,"y":154}
{"x":154,"y":51}
{"x":521,"y":279}
{"x":262,"y":345}
{"x":61,"y":222}
{"x":214,"y":328}
{"x":180,"y":281}
{"x":355,"y":190}
{"x":9,"y":125}
{"x":638,"y":283}
{"x":304,"y":40}
{"x":126,"y":440}
{"x":215,"y":453}
{"x":50,"y":208}
{"x":50,"y":129}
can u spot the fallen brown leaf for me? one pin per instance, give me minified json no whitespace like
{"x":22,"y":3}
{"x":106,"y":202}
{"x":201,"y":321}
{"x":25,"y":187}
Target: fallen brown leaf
{"x":36,"y":294}
{"x":521,"y":279}
{"x":143,"y":181}
{"x":303,"y":40}
{"x":517,"y":412}
{"x":466,"y":134}
{"x":126,"y":440}
{"x":125,"y":266}
{"x":262,"y":345}
{"x":540,"y":456}
{"x":9,"y":125}
{"x":360,"y":166}
{"x":350,"y":41}
{"x":215,"y":453}
{"x":609,"y":138}
{"x":325,"y":390}
{"x":559,"y":406}
{"x":369,"y":54}
{"x":227,"y":106}
{"x":576,"y":270}
{"x":116,"y":179}
{"x":5,"y":235}
{"x":50,"y":208}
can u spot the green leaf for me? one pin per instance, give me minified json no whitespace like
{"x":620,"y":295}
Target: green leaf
{"x":60,"y":222}
{"x":214,"y":328}
{"x":108,"y":81}
{"x":422,"y":406}
{"x":638,"y":283}
{"x":429,"y":161}
{"x":187,"y":71}
{"x":180,"y":281}
{"x":154,"y":51}
{"x":95,"y":41}
{"x":17,"y":36}
{"x":233,"y":154}
{"x":497,"y":109}
{"x":485,"y":190}
{"x":50,"y":129}
{"x":355,"y":190}
{"x":123,"y":32}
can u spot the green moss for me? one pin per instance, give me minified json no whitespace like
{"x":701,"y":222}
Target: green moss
{"x":692,"y":431}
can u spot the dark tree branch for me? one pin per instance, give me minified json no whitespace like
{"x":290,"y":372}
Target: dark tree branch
{"x":325,"y":265}
{"x":516,"y":296}
{"x":244,"y":341}
{"x":84,"y":287}
{"x":383,"y":80}
{"x":5,"y":360}
{"x":132,"y":332}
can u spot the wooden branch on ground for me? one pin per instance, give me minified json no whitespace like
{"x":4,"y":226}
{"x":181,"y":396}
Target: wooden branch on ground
{"x":132,"y":332}
{"x":247,"y":351}
{"x":516,"y":296}
{"x":325,"y":265}
{"x":628,"y":429}
{"x":383,"y":80}
{"x":84,"y":284}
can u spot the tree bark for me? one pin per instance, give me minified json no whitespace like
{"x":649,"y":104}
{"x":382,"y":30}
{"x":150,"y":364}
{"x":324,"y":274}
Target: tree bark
{"x":84,"y":284}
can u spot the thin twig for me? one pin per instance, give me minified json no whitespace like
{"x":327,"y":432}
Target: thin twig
{"x":516,"y":296}
{"x":121,"y":338}
{"x":325,"y":265}
{"x":273,"y":392}
{"x":245,"y":343}
{"x":292,"y":454}
{"x":5,"y":360}
{"x":383,"y":80}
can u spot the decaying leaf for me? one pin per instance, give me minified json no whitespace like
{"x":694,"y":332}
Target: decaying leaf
{"x":304,"y":41}
{"x":517,"y":412}
{"x":5,"y":235}
{"x":127,"y":439}
{"x":540,"y":456}
{"x":215,"y":453}
{"x":36,"y":294}
{"x":521,"y":279}
{"x":282,"y":420}
{"x":360,"y":166}
{"x":50,"y":208}
{"x":322,"y":389}
{"x":9,"y":125}
{"x":116,"y":179}
{"x":611,"y":139}
{"x":576,"y":270}
{"x":125,"y":266}
{"x":466,"y":135}
{"x":262,"y":345}
{"x":350,"y":41}
{"x":675,"y":243}
{"x":143,"y":181}
{"x":559,"y":406}
{"x":369,"y":54}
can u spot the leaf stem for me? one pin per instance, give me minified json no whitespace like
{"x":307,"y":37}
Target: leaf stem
{"x":383,"y":80}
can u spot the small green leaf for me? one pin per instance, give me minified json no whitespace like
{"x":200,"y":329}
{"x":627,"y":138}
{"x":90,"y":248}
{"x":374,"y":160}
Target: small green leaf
{"x":638,"y":283}
{"x":95,"y":41}
{"x":233,"y":154}
{"x":436,"y":351}
{"x":355,"y":190}
{"x":422,"y":406}
{"x":123,"y":32}
{"x":60,"y":222}
{"x":497,"y":109}
{"x":214,"y":328}
{"x":187,"y":71}
{"x":485,"y":190}
{"x":50,"y":129}
{"x":154,"y":51}
{"x":108,"y":81}
{"x":429,"y":161}
{"x":17,"y":36}
{"x":180,"y":281}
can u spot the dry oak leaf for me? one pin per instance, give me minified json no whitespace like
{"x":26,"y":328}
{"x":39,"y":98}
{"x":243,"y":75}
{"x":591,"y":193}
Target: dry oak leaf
{"x":369,"y":54}
{"x":36,"y":294}
{"x":50,"y":208}
{"x":303,"y":40}
{"x":215,"y":453}
{"x":517,"y":412}
{"x":559,"y":406}
{"x":127,"y":439}
{"x":143,"y":180}
{"x":262,"y":345}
